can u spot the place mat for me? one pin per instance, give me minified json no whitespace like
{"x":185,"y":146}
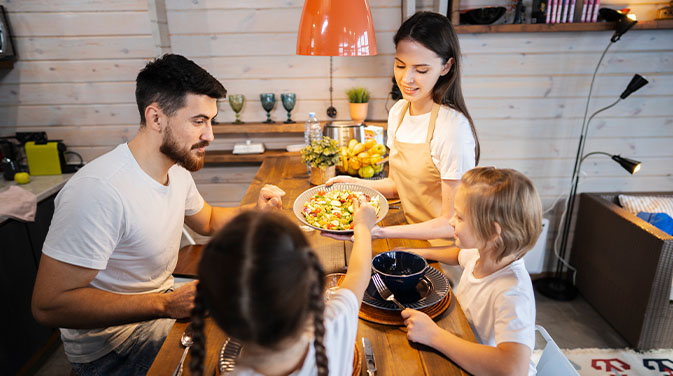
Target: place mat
{"x":388,"y":317}
{"x":433,"y":287}
{"x":357,"y":363}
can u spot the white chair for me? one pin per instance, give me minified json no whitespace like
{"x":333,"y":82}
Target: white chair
{"x":553,"y":362}
{"x":187,"y":236}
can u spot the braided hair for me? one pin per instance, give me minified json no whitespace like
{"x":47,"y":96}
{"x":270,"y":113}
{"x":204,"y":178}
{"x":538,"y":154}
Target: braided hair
{"x":261,"y":282}
{"x":198,"y":348}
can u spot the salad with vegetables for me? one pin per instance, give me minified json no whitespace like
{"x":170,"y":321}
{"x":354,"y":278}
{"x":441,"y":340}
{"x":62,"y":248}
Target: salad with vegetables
{"x":333,"y":210}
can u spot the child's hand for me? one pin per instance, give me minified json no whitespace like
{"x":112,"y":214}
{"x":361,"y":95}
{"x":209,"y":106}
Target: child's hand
{"x":420,"y":327}
{"x":364,"y":213}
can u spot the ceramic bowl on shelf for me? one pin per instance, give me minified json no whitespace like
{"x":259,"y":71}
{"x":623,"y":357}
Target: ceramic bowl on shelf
{"x":481,"y":16}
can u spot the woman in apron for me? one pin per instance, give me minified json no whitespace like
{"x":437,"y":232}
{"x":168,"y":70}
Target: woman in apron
{"x":431,"y":135}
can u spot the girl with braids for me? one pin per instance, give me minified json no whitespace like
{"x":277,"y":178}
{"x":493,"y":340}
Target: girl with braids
{"x":263,"y":285}
{"x":431,"y":136}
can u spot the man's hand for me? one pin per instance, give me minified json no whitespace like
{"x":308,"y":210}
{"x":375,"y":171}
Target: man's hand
{"x":180,"y":302}
{"x":270,"y":197}
{"x":341,"y":179}
{"x":420,"y":327}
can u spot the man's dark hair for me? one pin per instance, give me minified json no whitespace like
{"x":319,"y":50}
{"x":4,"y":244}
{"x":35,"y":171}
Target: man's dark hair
{"x":169,"y":79}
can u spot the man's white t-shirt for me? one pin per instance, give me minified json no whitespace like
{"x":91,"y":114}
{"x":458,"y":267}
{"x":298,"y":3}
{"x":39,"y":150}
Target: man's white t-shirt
{"x":113,"y":217}
{"x":451,"y":146}
{"x":499,"y":307}
{"x":341,"y":326}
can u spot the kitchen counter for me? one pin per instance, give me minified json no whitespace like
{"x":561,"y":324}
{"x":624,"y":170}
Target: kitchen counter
{"x":41,"y":186}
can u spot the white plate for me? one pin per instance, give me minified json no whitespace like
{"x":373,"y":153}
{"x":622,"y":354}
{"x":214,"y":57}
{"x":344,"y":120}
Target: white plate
{"x":307,"y":194}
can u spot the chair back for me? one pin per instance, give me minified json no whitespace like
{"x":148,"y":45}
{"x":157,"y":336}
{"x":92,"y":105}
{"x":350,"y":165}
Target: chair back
{"x":553,"y":362}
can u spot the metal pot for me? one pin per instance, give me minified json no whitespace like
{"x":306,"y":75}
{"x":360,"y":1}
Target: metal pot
{"x":344,"y":131}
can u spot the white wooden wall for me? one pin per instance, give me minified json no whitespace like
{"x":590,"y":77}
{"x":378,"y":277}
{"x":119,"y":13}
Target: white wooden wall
{"x":526,"y":92}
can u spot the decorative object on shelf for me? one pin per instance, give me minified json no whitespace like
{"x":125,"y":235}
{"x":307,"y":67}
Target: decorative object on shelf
{"x":519,"y":12}
{"x":248,"y":148}
{"x":268,"y":100}
{"x":289,"y":100}
{"x":323,"y":156}
{"x":481,"y":16}
{"x":539,"y":12}
{"x":6,"y":40}
{"x":359,"y":101}
{"x":557,"y":287}
{"x":336,"y":28}
{"x":236,"y":102}
{"x":665,"y":13}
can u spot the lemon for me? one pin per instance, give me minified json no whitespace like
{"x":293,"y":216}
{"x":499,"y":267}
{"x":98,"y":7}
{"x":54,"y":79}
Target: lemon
{"x":21,"y":177}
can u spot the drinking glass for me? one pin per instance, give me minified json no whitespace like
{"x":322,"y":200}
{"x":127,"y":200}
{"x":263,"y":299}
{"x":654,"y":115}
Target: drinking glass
{"x":268,"y":101}
{"x":236,"y":102}
{"x":288,"y":99}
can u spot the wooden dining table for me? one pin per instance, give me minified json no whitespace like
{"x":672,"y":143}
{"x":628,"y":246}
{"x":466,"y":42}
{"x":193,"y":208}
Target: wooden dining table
{"x":394,"y":353}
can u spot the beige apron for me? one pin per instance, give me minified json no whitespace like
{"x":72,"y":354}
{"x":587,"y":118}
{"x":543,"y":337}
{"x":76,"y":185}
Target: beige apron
{"x":418,"y":182}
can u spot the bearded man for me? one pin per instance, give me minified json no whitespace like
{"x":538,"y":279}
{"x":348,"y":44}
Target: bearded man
{"x":105,"y":276}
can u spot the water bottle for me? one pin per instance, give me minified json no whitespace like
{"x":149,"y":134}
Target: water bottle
{"x":312,"y":132}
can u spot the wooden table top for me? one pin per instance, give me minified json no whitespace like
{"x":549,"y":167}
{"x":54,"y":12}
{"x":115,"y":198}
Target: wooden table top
{"x":394,"y":354}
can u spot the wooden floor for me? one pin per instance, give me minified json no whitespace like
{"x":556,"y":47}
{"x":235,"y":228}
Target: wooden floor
{"x":572,"y":324}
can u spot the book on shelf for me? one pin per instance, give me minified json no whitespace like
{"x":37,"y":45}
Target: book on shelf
{"x":594,"y":16}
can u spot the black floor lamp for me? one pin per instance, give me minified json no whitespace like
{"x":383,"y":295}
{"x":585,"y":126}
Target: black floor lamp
{"x":559,"y":287}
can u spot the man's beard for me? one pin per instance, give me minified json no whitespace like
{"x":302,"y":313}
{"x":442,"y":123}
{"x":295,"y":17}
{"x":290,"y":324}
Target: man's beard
{"x":183,"y":157}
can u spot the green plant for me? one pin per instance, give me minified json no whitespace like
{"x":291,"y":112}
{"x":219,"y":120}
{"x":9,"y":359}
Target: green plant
{"x":358,"y":95}
{"x":322,"y":153}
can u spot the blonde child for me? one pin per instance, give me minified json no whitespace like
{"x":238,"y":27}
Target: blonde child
{"x":498,"y":218}
{"x":263,"y":285}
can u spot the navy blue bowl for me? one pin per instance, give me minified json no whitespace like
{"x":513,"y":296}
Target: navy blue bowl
{"x":401,"y":271}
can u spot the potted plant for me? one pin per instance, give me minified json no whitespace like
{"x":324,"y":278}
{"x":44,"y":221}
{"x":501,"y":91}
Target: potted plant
{"x":323,"y":155}
{"x":359,"y":100}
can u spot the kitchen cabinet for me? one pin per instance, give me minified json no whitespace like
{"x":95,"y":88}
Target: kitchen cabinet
{"x":19,"y":256}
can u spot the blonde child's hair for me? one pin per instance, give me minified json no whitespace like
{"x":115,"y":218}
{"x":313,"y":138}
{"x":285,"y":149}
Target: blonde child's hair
{"x":509,"y":198}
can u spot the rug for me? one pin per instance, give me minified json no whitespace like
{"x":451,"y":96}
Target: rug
{"x":618,"y":362}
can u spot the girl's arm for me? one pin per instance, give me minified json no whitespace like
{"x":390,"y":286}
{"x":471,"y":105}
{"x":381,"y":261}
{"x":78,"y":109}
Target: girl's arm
{"x":436,"y":228}
{"x":508,"y":358}
{"x":446,"y":255}
{"x":360,"y":262}
{"x":385,"y":186}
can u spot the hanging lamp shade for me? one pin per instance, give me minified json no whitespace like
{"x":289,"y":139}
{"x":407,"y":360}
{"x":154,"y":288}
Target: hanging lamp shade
{"x":336,"y":28}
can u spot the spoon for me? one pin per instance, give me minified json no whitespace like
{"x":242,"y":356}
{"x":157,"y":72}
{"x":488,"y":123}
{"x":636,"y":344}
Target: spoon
{"x":186,"y":341}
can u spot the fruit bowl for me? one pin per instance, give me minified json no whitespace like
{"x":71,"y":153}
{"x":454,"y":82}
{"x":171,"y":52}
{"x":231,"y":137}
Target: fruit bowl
{"x":362,"y":159}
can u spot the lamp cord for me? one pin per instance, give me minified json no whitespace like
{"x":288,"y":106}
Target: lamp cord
{"x":330,"y":82}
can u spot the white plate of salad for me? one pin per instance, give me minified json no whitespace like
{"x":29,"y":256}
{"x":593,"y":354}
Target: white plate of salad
{"x":330,"y":208}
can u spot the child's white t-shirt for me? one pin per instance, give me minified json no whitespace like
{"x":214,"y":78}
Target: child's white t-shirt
{"x":341,"y":326}
{"x":499,"y":307}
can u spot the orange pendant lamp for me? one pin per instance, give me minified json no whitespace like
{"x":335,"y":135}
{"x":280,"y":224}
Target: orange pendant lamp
{"x":336,"y":28}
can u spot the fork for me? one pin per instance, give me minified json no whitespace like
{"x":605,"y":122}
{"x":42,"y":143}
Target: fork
{"x":228,"y":355}
{"x":384,"y":291}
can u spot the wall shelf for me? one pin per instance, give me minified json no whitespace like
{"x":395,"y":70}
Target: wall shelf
{"x":227,"y":157}
{"x":6,"y":64}
{"x":252,"y":128}
{"x":560,"y":27}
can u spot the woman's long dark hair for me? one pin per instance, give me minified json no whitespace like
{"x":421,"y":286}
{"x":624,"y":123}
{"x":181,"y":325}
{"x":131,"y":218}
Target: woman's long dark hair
{"x":261,"y":282}
{"x":434,"y":32}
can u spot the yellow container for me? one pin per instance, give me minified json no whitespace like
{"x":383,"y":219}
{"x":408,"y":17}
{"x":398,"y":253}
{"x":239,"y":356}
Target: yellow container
{"x":43,"y":159}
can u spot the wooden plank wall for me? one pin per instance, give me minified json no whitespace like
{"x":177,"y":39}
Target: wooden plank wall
{"x":526,"y":92}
